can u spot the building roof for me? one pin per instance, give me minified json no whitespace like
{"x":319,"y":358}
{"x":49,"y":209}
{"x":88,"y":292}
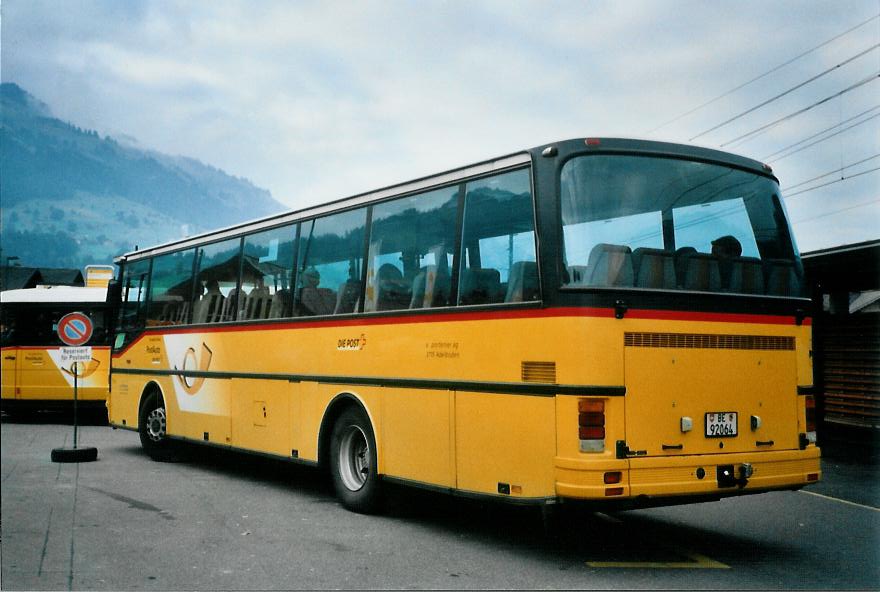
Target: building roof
{"x":852,"y":268}
{"x":62,"y":277}
{"x":16,"y":278}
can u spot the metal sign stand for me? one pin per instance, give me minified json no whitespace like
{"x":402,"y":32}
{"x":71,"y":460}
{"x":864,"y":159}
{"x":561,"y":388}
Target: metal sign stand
{"x":75,"y":330}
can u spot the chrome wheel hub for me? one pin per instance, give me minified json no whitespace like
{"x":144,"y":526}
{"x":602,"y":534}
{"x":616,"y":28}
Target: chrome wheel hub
{"x":156,"y":424}
{"x":354,"y":458}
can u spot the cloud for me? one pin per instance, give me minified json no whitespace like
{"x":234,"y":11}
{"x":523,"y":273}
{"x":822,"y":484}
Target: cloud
{"x":316,"y":101}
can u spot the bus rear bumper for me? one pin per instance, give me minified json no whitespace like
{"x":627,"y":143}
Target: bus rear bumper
{"x":715,"y":475}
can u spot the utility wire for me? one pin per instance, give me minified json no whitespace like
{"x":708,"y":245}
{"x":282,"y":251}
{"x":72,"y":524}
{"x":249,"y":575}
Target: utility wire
{"x":827,"y":129}
{"x":767,"y":73}
{"x":782,"y":94}
{"x":859,"y":174}
{"x":833,"y":212}
{"x":751,"y":137}
{"x":828,"y":137}
{"x":841,"y":169}
{"x":862,"y":82}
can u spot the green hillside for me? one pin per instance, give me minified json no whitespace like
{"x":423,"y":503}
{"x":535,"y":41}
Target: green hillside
{"x":69,"y":197}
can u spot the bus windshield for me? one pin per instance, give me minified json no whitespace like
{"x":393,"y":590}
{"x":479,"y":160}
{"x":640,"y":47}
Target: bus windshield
{"x":671,"y":224}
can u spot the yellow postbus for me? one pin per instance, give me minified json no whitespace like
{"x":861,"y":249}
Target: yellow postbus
{"x":599,"y":319}
{"x":34,"y":375}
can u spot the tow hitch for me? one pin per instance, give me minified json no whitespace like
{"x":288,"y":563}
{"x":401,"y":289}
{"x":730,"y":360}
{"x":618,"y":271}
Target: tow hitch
{"x":729,"y":476}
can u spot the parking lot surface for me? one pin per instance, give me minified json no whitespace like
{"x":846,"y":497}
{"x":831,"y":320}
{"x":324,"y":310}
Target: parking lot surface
{"x":219,"y":521}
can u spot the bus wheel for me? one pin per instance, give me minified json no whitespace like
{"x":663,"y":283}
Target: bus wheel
{"x":353,"y":462}
{"x":152,"y":426}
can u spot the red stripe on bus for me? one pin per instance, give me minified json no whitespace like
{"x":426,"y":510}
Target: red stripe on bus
{"x":495,"y":315}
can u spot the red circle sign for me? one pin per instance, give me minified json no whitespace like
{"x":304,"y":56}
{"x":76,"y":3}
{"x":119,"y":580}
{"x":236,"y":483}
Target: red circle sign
{"x":75,"y":329}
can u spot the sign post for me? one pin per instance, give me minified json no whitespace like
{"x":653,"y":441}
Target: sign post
{"x":75,"y":330}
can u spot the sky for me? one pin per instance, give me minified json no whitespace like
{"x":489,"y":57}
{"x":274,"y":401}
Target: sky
{"x":316,"y":101}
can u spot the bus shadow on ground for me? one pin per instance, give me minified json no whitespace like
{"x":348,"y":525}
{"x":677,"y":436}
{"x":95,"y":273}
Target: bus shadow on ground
{"x":572,"y":533}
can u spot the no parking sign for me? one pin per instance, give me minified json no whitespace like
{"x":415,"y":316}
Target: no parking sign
{"x":75,"y":329}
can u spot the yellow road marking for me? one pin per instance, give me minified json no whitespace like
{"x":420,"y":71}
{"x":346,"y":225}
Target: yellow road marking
{"x":842,"y":501}
{"x":697,"y":561}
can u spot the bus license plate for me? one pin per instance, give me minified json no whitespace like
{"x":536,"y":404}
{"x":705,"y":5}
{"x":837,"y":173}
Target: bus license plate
{"x":721,"y":424}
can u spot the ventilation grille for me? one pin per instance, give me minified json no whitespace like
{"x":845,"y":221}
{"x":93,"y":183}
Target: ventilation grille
{"x":539,"y":372}
{"x":697,"y":341}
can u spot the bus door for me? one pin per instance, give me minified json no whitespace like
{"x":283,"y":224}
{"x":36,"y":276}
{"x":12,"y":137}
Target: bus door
{"x":9,"y":372}
{"x":702,"y":394}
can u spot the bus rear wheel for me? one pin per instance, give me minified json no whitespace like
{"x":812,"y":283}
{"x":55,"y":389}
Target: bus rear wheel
{"x":353,"y":462}
{"x":153,"y":427}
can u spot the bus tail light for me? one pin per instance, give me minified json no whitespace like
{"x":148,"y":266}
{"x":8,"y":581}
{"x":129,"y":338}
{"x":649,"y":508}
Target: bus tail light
{"x":591,"y":425}
{"x":810,"y":404}
{"x":613,"y":477}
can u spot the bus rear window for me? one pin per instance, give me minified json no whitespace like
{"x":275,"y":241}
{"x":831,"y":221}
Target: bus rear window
{"x":671,"y":224}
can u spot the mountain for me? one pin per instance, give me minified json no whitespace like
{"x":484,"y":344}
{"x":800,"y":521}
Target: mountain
{"x":69,"y":197}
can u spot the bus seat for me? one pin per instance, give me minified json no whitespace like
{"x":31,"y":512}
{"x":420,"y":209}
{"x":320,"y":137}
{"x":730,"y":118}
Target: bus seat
{"x":168,"y":314}
{"x":780,"y":278}
{"x":522,"y":284}
{"x":480,"y":286}
{"x":577,"y":274}
{"x":746,"y":275}
{"x":282,"y":305}
{"x":227,"y":312}
{"x":609,"y":265}
{"x":392,"y":291}
{"x":258,"y":303}
{"x":317,"y":301}
{"x":347,"y":300}
{"x":208,"y":308}
{"x":430,"y":288}
{"x":423,"y":286}
{"x":654,"y":268}
{"x":697,"y":271}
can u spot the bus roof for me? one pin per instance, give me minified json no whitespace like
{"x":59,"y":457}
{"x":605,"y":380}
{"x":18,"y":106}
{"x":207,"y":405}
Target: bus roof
{"x":597,"y":144}
{"x":52,"y":294}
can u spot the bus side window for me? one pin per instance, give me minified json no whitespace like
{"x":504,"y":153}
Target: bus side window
{"x":217,"y":275}
{"x":330,"y":263}
{"x":499,"y":261}
{"x":410,"y":254}
{"x":267,"y":271}
{"x":135,"y":276}
{"x":171,"y":288}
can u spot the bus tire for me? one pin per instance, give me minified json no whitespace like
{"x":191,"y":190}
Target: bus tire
{"x":153,"y":427}
{"x":353,"y":465}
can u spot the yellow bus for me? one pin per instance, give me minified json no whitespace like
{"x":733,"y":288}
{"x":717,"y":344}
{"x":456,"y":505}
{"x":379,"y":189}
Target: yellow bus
{"x":598,"y":319}
{"x":34,"y":375}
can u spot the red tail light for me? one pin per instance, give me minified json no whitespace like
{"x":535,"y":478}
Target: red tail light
{"x":810,"y":403}
{"x":612,"y":477}
{"x":591,"y":425}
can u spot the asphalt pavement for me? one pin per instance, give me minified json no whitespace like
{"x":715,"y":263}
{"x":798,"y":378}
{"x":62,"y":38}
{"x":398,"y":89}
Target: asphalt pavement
{"x":219,"y":521}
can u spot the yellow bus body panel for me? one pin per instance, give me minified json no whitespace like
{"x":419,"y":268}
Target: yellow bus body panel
{"x":282,"y":378}
{"x":38,"y":374}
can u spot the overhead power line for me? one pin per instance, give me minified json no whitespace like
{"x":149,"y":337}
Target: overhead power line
{"x":862,"y":82}
{"x":828,"y":137}
{"x":837,"y":170}
{"x":827,"y":129}
{"x":833,"y":212}
{"x":767,"y":73}
{"x":859,"y":174}
{"x":782,"y":94}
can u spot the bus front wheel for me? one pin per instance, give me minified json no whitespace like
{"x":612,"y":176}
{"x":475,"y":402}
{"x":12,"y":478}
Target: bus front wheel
{"x":153,"y":427}
{"x":353,"y":462}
